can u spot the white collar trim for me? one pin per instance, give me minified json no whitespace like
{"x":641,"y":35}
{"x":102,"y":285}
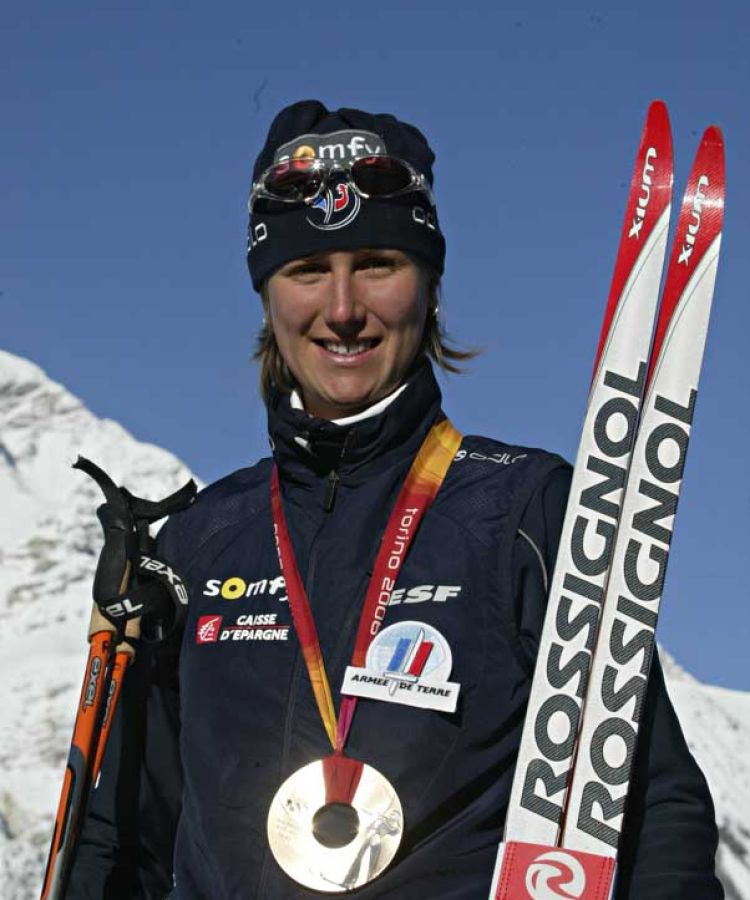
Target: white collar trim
{"x":374,"y":410}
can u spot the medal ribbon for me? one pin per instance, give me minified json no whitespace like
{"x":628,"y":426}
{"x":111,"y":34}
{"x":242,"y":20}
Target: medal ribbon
{"x":420,"y":488}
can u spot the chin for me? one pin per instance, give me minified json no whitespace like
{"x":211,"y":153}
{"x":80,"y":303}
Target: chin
{"x":338,"y":406}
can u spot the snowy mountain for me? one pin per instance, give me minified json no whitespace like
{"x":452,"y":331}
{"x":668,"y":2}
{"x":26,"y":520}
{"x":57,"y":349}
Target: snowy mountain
{"x":716,"y":722}
{"x":49,"y":544}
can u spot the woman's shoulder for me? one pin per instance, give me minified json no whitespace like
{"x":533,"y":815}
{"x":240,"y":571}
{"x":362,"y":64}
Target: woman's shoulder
{"x":224,"y":504}
{"x":242,"y":481}
{"x":491,"y":480}
{"x":485,"y":457}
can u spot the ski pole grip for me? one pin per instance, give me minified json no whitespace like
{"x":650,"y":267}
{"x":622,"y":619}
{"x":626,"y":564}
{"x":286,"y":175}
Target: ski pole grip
{"x":99,"y":622}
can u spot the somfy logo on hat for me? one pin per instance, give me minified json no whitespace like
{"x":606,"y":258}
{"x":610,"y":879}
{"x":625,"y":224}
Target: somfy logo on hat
{"x":338,"y":145}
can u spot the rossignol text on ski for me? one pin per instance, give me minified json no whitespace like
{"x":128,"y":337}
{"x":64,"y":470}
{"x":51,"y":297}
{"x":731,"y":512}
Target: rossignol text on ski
{"x":574,"y":766}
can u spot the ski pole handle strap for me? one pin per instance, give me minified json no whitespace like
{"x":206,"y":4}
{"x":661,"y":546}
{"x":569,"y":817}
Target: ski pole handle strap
{"x":129,"y":633}
{"x":130,"y":582}
{"x":154,"y":590}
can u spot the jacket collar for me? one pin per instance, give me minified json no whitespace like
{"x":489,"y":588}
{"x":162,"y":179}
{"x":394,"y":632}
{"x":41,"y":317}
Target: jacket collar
{"x":303,"y":444}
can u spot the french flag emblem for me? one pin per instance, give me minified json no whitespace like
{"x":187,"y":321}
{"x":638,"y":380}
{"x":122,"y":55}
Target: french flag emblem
{"x":409,"y":659}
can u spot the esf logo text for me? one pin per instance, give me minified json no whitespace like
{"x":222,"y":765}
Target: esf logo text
{"x":421,"y":593}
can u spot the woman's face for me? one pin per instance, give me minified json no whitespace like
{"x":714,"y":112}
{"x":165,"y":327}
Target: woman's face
{"x":348,"y":324}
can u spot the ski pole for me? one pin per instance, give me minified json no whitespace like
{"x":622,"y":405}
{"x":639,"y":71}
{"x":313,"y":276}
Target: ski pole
{"x":115,"y":624}
{"x":87,"y":746}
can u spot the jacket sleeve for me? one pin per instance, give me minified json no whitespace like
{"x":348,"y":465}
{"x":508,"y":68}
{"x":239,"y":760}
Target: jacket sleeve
{"x":126,"y":843}
{"x":669,"y":839}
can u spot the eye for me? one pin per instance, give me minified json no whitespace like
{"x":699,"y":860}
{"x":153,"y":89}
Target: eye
{"x":305,"y":269}
{"x":376,"y":263}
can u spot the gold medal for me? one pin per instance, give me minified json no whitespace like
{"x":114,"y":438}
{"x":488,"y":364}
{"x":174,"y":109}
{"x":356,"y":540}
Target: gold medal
{"x":334,"y":846}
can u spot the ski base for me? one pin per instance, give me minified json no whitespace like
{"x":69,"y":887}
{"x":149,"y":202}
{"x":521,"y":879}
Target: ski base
{"x":538,"y":872}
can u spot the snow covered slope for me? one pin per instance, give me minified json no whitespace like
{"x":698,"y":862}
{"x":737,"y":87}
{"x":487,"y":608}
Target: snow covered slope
{"x":716,"y":722}
{"x":49,"y":543}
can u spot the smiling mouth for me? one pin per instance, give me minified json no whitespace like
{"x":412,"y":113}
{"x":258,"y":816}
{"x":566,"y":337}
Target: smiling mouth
{"x":348,"y":348}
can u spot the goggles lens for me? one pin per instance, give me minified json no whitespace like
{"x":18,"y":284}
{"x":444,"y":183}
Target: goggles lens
{"x":381,"y":176}
{"x":302,"y":180}
{"x":294,"y":181}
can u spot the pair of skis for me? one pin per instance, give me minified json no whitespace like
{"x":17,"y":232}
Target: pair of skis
{"x":576,"y":755}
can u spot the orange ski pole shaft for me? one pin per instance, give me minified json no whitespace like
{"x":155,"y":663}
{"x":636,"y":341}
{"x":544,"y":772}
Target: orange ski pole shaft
{"x":119,"y":666}
{"x":93,"y":722}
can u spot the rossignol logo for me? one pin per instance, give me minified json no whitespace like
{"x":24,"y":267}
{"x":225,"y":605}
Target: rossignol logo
{"x":338,"y":145}
{"x":538,"y":872}
{"x":262,"y":627}
{"x":90,"y":692}
{"x":555,"y":876}
{"x":587,"y":557}
{"x":694,"y":226}
{"x":645,"y":196}
{"x":623,"y":686}
{"x":236,"y":588}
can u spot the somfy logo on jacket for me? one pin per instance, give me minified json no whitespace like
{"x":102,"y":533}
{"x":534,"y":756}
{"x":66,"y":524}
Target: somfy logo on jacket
{"x":236,"y":588}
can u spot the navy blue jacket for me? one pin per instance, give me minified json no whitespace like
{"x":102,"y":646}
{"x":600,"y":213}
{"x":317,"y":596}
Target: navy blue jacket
{"x":211,"y":727}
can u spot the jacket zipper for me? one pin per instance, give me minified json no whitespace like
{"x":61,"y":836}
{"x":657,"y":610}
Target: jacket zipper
{"x":333,"y":483}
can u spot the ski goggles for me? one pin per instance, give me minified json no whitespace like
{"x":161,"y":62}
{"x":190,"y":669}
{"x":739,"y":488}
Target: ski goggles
{"x":304,"y":180}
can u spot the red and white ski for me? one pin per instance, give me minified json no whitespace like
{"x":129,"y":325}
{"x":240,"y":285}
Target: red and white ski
{"x":602,"y":462}
{"x":619,"y":673}
{"x":535,"y":856}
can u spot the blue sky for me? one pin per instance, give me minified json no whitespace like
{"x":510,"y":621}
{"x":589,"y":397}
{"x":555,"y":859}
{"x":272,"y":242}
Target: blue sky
{"x":129,"y":132}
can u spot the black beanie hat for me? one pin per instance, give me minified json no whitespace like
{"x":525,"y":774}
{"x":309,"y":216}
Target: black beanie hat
{"x":280,"y":232}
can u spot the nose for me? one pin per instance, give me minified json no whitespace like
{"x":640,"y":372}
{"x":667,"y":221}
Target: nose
{"x":343,"y":311}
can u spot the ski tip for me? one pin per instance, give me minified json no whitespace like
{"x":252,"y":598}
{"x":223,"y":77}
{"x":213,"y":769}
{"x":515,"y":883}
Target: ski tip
{"x":658,"y":124}
{"x":713,"y":134}
{"x":698,"y":228}
{"x":713,"y":138}
{"x":710,"y":157}
{"x":649,"y":202}
{"x":657,"y":109}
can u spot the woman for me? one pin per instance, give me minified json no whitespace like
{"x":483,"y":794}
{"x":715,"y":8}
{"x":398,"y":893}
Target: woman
{"x":415,"y":565}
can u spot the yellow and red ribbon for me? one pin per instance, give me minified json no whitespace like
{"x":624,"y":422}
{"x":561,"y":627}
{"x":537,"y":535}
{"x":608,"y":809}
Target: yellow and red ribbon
{"x":420,"y":488}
